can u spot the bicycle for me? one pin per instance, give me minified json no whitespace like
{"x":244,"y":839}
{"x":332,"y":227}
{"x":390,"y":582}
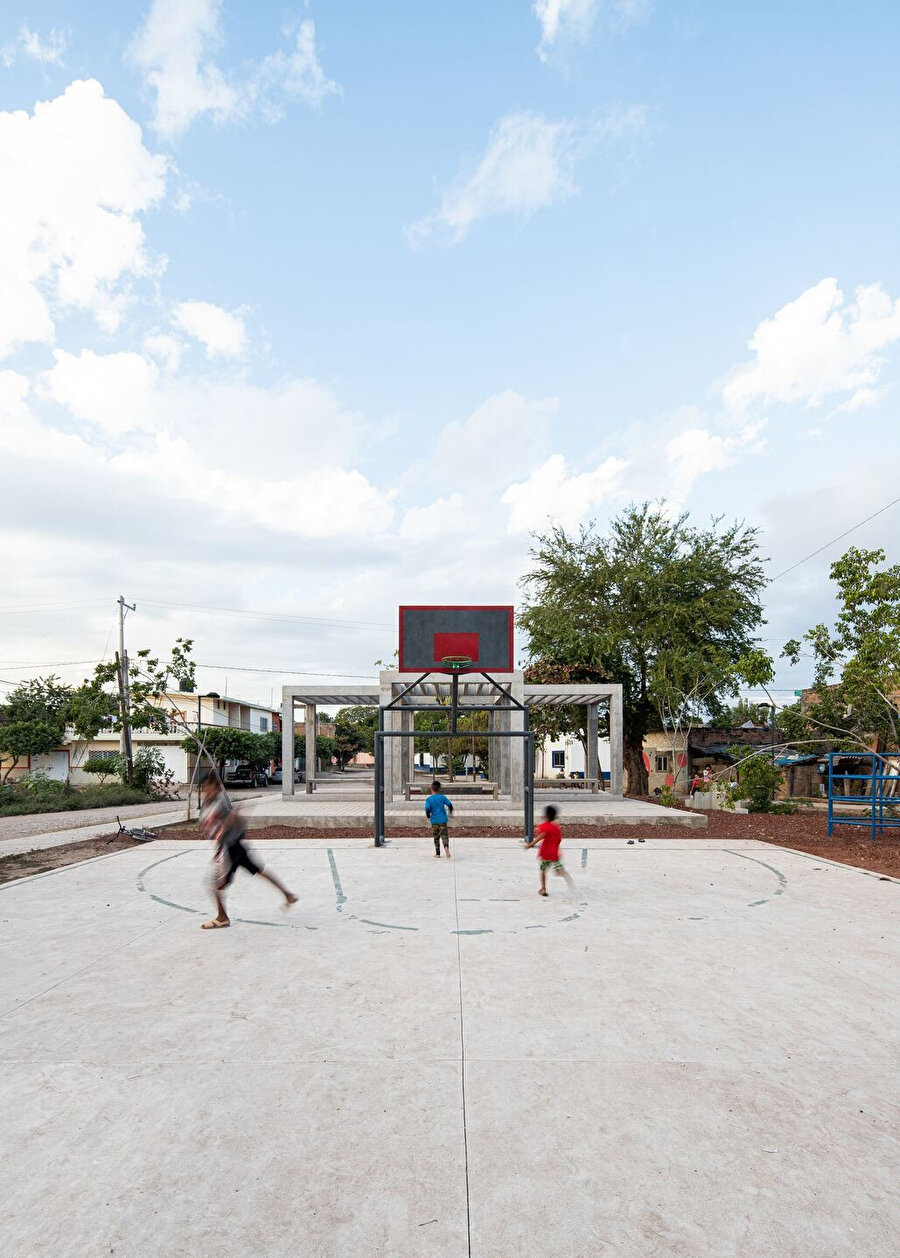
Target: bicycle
{"x":135,"y":832}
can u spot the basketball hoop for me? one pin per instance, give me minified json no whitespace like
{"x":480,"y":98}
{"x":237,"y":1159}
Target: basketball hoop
{"x":456,"y":663}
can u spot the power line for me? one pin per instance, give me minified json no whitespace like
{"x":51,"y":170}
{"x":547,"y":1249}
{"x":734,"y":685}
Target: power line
{"x":285,"y":672}
{"x":839,"y":537}
{"x":239,"y":611}
{"x":42,"y":607}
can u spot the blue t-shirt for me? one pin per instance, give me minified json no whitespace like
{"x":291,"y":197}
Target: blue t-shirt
{"x":436,"y":808}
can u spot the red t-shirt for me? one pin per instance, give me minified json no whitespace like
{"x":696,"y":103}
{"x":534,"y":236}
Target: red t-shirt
{"x":551,"y":837}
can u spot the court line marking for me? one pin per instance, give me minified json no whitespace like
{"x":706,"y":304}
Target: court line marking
{"x":336,"y":879}
{"x":782,"y":880}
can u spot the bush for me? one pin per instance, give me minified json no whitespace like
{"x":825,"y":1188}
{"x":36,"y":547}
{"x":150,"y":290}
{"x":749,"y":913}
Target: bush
{"x":758,"y":778}
{"x":109,"y":793}
{"x":39,"y":786}
{"x":104,"y":766}
{"x":151,"y":775}
{"x":667,"y":797}
{"x":15,"y":802}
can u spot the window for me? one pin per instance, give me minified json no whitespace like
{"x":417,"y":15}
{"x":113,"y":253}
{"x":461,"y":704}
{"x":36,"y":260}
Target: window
{"x":663,"y":762}
{"x":102,"y":755}
{"x":558,"y":759}
{"x":263,"y":724}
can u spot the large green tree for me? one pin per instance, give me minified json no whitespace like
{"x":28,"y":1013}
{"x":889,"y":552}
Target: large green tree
{"x":667,"y":609}
{"x":32,"y":720}
{"x":856,"y":686}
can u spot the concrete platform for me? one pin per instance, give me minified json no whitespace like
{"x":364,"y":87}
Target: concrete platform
{"x":694,"y":1055}
{"x":325,"y":811}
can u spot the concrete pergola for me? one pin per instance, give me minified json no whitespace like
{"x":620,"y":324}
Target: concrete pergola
{"x":474,"y":692}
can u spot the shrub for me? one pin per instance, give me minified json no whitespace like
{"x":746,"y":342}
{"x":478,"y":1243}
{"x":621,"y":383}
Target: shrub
{"x":667,"y":797}
{"x":104,"y":766}
{"x":758,"y":778}
{"x":107,"y":794}
{"x":39,"y":786}
{"x":151,"y":775}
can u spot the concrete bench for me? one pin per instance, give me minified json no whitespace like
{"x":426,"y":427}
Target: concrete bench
{"x":568,"y":784}
{"x":455,"y":788}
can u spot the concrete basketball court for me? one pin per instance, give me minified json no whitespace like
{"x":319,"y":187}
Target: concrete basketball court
{"x":697,"y":1054}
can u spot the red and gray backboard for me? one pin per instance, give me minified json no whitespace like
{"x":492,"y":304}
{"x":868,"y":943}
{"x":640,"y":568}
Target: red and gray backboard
{"x":428,"y":635}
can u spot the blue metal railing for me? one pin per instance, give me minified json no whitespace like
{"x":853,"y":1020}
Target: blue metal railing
{"x":874,"y":802}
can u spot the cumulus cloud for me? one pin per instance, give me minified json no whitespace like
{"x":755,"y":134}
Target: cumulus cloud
{"x":575,"y":19}
{"x":113,"y":391}
{"x":529,"y":163}
{"x":220,"y":332}
{"x":175,"y":51}
{"x":818,"y":348}
{"x":553,"y":493}
{"x":46,"y":51}
{"x":501,"y":438}
{"x":77,"y":250}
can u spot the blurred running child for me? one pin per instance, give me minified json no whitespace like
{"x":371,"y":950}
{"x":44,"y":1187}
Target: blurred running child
{"x":549,"y":835}
{"x":437,"y":808}
{"x":220,"y":822}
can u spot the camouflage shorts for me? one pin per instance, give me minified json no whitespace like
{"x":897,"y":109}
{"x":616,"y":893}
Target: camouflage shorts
{"x":439,"y":833}
{"x":555,"y":865}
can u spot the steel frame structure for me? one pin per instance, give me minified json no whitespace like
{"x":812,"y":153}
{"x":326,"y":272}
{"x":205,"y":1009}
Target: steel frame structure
{"x":876,"y":821}
{"x":511,"y":705}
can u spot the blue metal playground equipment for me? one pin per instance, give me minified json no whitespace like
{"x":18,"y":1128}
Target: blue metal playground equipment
{"x":873,"y":803}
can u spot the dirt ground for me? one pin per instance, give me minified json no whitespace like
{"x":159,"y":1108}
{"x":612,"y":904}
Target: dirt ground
{"x":21,"y":864}
{"x":805,"y":831}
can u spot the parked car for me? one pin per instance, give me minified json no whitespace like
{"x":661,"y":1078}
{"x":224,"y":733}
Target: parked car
{"x":276,"y":777}
{"x":245,"y":775}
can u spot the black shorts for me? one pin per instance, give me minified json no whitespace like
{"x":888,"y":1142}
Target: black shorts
{"x":239,"y":858}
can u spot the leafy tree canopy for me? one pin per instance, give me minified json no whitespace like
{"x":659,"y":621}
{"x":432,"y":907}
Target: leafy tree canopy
{"x":856,"y":662}
{"x":667,"y":609}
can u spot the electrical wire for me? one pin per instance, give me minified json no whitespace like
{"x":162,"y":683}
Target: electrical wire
{"x":333,"y":622}
{"x":284,"y":672}
{"x":39,"y":607}
{"x":840,"y":536}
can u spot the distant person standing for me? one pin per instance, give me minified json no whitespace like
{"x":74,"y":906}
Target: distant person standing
{"x":438,"y":809}
{"x":220,"y":822}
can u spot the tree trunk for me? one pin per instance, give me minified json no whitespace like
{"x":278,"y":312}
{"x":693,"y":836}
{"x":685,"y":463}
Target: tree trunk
{"x":638,"y":780}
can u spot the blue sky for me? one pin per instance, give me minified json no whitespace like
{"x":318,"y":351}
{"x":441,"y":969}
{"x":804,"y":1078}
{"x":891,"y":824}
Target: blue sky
{"x":390,"y":286}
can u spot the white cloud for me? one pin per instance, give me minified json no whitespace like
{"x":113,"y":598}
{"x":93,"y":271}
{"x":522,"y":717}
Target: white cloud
{"x":48,"y":51}
{"x":220,"y":332}
{"x":165,"y":349}
{"x":817,"y":347}
{"x":79,"y":249}
{"x":554,"y":494}
{"x":113,"y":391}
{"x":175,"y":52}
{"x":502,"y":438}
{"x":575,"y":19}
{"x":528,"y":164}
{"x":295,"y":71}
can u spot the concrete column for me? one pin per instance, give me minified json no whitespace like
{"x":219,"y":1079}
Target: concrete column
{"x":390,"y":747}
{"x":616,"y":745}
{"x":402,"y":759}
{"x":516,"y":746}
{"x":502,"y":723}
{"x":310,"y":747}
{"x":409,"y":749}
{"x":287,"y":743}
{"x":592,"y":764}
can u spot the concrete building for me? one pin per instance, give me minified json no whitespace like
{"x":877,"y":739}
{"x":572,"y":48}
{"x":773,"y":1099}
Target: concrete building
{"x":191,"y":710}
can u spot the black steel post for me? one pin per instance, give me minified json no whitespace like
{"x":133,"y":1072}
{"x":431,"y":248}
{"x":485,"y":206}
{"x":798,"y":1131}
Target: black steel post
{"x":528,"y":794}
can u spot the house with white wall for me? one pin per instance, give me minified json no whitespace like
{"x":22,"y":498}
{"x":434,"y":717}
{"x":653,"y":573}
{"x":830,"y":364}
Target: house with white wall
{"x":191,"y":711}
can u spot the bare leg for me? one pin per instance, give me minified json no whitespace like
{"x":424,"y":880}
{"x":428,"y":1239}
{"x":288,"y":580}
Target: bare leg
{"x":543,"y":890}
{"x":221,"y":918}
{"x":289,"y":897}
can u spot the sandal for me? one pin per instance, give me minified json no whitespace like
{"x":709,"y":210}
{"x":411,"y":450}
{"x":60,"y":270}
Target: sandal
{"x":214,"y":924}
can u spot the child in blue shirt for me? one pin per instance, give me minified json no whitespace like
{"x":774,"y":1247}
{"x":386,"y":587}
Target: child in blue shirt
{"x":437,"y":806}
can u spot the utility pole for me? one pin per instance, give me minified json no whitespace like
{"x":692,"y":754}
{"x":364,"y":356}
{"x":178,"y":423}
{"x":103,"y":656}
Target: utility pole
{"x":124,"y":692}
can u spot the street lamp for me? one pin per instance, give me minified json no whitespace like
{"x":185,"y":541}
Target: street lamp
{"x":772,"y":707}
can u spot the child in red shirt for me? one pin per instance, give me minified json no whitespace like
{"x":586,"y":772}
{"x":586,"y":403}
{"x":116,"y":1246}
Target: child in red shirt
{"x":550,"y":836}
